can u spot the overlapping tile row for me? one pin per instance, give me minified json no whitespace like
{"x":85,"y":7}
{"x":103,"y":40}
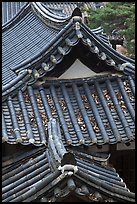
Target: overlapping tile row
{"x":54,"y":173}
{"x":50,"y":18}
{"x":105,"y":184}
{"x":89,"y":111}
{"x":26,"y":179}
{"x":31,"y":37}
{"x":10,"y":9}
{"x":67,"y":8}
{"x":60,"y":8}
{"x":57,"y":10}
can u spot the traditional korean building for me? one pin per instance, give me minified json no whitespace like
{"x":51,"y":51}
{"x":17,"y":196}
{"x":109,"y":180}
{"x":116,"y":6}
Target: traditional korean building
{"x":68,"y":108}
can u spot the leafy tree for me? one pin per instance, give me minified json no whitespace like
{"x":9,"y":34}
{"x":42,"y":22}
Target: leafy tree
{"x":116,"y":15}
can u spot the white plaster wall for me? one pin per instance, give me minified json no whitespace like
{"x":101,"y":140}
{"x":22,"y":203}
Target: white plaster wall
{"x":77,"y":70}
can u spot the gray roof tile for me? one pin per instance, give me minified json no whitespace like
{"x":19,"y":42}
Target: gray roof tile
{"x":61,"y":115}
{"x":23,"y":40}
{"x":56,"y":172}
{"x":89,"y":111}
{"x":10,"y":10}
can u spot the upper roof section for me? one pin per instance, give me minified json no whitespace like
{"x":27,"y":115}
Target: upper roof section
{"x":14,"y":16}
{"x":10,"y":10}
{"x":66,"y":8}
{"x":53,"y":11}
{"x":36,"y":40}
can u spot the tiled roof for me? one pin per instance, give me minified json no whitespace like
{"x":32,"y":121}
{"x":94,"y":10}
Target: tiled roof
{"x":100,"y":110}
{"x":23,"y":40}
{"x":52,"y":174}
{"x":45,"y":59}
{"x":72,"y":34}
{"x":38,"y":42}
{"x":10,"y":10}
{"x":66,"y":8}
{"x":61,"y":8}
{"x":57,"y":118}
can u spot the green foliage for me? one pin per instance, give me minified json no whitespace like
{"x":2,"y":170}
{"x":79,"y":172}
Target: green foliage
{"x":116,"y":15}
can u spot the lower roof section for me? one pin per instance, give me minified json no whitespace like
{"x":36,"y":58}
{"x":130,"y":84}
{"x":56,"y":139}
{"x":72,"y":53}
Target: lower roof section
{"x":43,"y":176}
{"x":90,"y":111}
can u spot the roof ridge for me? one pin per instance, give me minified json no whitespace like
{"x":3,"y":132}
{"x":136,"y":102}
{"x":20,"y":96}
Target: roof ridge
{"x":59,"y":157}
{"x":94,"y":43}
{"x":44,"y":11}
